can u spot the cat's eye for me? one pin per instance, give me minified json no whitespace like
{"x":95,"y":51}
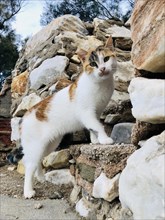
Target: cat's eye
{"x":93,"y":64}
{"x":106,"y":58}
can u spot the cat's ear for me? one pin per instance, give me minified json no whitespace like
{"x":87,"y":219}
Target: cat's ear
{"x":109,"y":43}
{"x":82,"y":54}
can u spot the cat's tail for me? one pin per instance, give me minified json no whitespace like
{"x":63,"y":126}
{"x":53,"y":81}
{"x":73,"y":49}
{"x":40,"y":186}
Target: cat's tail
{"x":17,"y":153}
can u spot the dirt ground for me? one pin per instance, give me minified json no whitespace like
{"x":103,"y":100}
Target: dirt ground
{"x":11,"y":184}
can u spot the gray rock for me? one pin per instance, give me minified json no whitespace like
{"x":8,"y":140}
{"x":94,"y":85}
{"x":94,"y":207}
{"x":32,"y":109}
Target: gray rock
{"x":118,"y":109}
{"x":49,"y":71}
{"x":121,"y":133}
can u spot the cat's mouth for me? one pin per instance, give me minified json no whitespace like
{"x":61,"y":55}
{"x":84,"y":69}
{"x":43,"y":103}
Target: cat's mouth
{"x":104,"y":73}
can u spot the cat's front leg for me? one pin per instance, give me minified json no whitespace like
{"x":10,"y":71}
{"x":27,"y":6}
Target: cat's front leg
{"x":91,"y":122}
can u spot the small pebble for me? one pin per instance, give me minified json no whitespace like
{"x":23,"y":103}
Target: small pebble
{"x":11,"y":168}
{"x":38,"y":206}
{"x":56,"y":195}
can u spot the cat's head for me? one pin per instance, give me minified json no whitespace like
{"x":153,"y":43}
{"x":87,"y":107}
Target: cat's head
{"x":101,"y":62}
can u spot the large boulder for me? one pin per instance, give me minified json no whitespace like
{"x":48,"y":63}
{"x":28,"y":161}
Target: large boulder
{"x":49,"y":71}
{"x":147,"y":30}
{"x":141,"y":184}
{"x":147,"y":97}
{"x":62,"y":36}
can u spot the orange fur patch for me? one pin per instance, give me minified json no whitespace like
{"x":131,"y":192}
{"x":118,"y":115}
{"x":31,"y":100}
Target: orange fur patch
{"x":41,"y":109}
{"x":62,"y":83}
{"x":72,"y":90}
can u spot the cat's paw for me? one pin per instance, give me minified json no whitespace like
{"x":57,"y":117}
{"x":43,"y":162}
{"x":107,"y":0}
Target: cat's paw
{"x":106,"y":140}
{"x":96,"y":141}
{"x":29,"y":194}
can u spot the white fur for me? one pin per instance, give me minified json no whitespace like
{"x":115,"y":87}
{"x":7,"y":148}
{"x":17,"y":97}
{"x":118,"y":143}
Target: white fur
{"x":64,"y":115}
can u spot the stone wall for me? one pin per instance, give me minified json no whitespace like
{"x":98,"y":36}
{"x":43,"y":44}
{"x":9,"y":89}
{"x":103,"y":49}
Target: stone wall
{"x":141,"y":184}
{"x":49,"y":62}
{"x":5,"y":104}
{"x":114,"y":181}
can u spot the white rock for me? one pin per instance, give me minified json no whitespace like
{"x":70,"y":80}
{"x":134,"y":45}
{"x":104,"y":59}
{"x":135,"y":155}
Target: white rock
{"x":15,"y":132}
{"x":49,"y":71}
{"x":141,"y":184}
{"x":60,"y":177}
{"x":122,"y":77}
{"x":147,"y":97}
{"x":26,"y":103}
{"x":117,"y":31}
{"x":113,"y":30}
{"x":106,"y":188}
{"x":82,"y":208}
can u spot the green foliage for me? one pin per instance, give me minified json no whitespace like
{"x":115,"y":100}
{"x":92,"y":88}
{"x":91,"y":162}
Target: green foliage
{"x":8,"y":9}
{"x":8,"y":38}
{"x":8,"y":52}
{"x":87,"y":10}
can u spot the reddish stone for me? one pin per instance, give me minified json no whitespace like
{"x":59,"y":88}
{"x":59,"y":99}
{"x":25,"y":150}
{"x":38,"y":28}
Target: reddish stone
{"x":5,"y":132}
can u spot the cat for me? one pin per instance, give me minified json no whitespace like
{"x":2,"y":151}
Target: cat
{"x":73,"y":108}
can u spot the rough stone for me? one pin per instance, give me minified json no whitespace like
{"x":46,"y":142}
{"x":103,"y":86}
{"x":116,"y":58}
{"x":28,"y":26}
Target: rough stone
{"x":58,"y":159}
{"x":111,"y":159}
{"x":121,"y":133}
{"x":123,"y":43}
{"x":118,"y":109}
{"x":87,"y":186}
{"x":83,"y":208}
{"x":143,"y":130}
{"x":6,"y":85}
{"x":150,"y":92}
{"x":111,"y":29}
{"x":26,"y":103}
{"x":147,"y":33}
{"x":106,"y":188}
{"x":15,"y":128}
{"x":45,"y":44}
{"x":60,"y":177}
{"x":122,"y":77}
{"x":74,"y":196}
{"x":5,"y":132}
{"x":141,"y":184}
{"x":20,"y":167}
{"x":49,"y":71}
{"x":73,"y":69}
{"x":5,"y":98}
{"x":122,"y":56}
{"x":19,"y":84}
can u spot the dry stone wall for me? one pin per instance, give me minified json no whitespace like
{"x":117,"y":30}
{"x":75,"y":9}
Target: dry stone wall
{"x":5,"y":104}
{"x":49,"y":62}
{"x":109,"y":182}
{"x":141,"y":184}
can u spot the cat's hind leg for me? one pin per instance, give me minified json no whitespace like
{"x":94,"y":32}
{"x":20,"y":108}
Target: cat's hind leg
{"x":39,"y":174}
{"x":33,"y":154}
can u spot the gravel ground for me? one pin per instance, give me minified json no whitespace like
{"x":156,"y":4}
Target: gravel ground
{"x":52,"y":199}
{"x":12,"y":185}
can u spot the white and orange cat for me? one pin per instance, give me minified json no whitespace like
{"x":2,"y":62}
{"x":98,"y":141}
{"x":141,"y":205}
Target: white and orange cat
{"x":71,"y":109}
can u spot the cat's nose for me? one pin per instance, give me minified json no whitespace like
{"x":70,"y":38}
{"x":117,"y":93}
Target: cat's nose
{"x":102,"y":69}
